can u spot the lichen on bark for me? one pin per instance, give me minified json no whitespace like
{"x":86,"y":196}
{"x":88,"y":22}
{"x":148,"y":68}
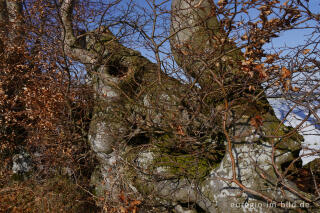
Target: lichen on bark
{"x":139,"y":126}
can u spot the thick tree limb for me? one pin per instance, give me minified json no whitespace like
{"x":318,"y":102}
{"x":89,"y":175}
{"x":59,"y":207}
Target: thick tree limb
{"x":15,"y":20}
{"x":69,"y":39}
{"x":11,"y":19}
{"x":14,"y":8}
{"x":200,"y":45}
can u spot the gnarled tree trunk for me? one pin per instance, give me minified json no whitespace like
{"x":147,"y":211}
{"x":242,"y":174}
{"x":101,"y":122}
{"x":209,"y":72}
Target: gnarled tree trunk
{"x":248,"y":172}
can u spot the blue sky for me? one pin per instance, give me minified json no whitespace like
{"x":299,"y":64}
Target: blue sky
{"x":290,"y":38}
{"x":296,"y":37}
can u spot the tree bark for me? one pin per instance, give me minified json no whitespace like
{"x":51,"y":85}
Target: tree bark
{"x":248,"y":153}
{"x":15,"y":20}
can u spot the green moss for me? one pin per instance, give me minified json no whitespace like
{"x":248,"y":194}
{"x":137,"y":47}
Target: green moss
{"x":166,"y":162}
{"x":144,"y":187}
{"x":314,"y":166}
{"x":272,"y":126}
{"x":184,"y":164}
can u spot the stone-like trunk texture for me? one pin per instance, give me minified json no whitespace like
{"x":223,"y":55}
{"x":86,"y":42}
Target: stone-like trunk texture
{"x":144,"y":163}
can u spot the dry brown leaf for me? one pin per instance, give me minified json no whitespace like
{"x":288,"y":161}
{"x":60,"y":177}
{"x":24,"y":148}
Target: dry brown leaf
{"x":135,"y":203}
{"x":256,"y":121}
{"x":295,"y":89}
{"x":261,"y":70}
{"x":286,"y":85}
{"x":306,"y":51}
{"x":180,"y":131}
{"x":271,"y":58}
{"x":184,"y":52}
{"x":222,"y":3}
{"x":285,"y":73}
{"x":123,"y":198}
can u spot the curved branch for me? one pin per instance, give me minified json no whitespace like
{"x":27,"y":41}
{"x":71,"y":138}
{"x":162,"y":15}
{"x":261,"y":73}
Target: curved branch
{"x":69,"y":39}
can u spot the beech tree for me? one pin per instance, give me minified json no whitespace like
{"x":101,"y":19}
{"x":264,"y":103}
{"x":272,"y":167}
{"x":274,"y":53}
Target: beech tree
{"x":190,"y":127}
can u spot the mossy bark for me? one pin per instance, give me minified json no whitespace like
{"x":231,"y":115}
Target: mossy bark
{"x":128,"y":88}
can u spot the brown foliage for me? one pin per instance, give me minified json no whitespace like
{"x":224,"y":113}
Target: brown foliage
{"x":45,"y":109}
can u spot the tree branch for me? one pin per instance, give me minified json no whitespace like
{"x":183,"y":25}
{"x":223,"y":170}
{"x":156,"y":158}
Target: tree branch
{"x":15,"y":20}
{"x":14,"y":8}
{"x":69,"y":39}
